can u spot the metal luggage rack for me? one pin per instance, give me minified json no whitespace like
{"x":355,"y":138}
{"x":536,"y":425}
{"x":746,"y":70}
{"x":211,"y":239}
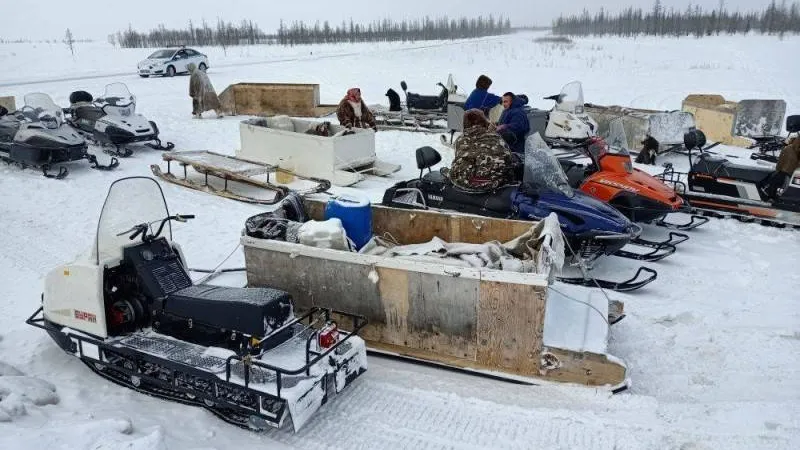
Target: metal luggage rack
{"x":312,"y":357}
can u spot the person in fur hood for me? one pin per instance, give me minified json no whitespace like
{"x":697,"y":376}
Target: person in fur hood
{"x":353,"y":112}
{"x":204,"y":97}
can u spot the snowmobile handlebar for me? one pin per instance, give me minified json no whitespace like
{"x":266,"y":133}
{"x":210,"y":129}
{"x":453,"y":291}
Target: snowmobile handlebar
{"x":143,"y":228}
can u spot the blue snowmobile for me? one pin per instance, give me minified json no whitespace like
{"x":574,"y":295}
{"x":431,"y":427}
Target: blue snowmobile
{"x":592,"y":228}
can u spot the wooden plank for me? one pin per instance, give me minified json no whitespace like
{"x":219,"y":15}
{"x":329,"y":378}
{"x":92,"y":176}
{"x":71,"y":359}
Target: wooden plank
{"x":412,"y":226}
{"x":442,"y":313}
{"x":510,"y":327}
{"x":584,"y":368}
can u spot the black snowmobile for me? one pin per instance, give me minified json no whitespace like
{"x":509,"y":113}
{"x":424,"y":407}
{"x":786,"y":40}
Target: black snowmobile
{"x":112,"y":120}
{"x":35,"y":136}
{"x":426,"y":103}
{"x":592,"y":228}
{"x":718,"y":187}
{"x":129,"y":310}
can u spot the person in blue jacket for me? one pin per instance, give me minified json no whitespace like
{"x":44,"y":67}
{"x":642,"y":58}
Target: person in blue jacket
{"x":481,"y":98}
{"x":513,"y":125}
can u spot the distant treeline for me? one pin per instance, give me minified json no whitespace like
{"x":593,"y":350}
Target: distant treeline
{"x":247,"y":33}
{"x":694,"y":21}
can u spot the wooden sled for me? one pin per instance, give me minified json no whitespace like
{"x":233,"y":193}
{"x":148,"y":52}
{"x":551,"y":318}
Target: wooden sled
{"x":417,"y":121}
{"x":234,"y":171}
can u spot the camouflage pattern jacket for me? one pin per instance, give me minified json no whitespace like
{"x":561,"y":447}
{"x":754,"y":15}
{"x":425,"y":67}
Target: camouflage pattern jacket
{"x":483,"y":161}
{"x":348,"y":118}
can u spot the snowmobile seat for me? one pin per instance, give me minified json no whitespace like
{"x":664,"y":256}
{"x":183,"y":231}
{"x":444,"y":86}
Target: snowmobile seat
{"x":251,"y":311}
{"x":88,"y":112}
{"x":720,"y":167}
{"x":498,"y":201}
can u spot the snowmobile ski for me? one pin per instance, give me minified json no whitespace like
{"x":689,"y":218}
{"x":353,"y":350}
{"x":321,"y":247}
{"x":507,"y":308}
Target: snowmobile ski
{"x":628,"y":285}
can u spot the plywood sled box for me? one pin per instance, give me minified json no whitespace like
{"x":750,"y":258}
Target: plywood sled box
{"x":282,"y":141}
{"x":733,"y":123}
{"x":270,"y":99}
{"x":9,"y":103}
{"x":475,"y":319}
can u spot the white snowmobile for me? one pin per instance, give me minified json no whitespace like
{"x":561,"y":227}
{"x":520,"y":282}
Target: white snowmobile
{"x":567,"y":123}
{"x":130,"y":312}
{"x":36,"y":136}
{"x":112,"y":120}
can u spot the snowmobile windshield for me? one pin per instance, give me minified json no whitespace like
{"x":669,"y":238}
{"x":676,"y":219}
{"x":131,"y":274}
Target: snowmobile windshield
{"x":542,"y":169}
{"x":571,"y":98}
{"x":39,"y":107}
{"x":616,"y":143}
{"x":130,"y":201}
{"x":118,"y":100}
{"x":162,"y":54}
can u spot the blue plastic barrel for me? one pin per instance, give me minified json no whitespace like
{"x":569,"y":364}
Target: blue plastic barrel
{"x":355,"y":213}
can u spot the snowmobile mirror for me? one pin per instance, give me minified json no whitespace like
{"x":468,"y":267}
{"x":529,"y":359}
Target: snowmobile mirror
{"x":793,"y":124}
{"x":404,"y":85}
{"x":427,"y":157}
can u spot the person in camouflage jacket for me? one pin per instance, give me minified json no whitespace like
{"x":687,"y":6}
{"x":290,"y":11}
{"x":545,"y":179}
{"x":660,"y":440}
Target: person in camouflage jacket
{"x":482,"y":159}
{"x":353,"y":112}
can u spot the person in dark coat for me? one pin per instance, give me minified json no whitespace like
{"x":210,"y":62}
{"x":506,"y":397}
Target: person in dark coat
{"x":513,"y":125}
{"x":481,"y":98}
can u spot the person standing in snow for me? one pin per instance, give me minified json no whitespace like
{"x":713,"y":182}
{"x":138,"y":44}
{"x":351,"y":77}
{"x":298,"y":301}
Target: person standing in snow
{"x":513,"y":125}
{"x":204,"y":97}
{"x":353,"y":112}
{"x":481,"y":98}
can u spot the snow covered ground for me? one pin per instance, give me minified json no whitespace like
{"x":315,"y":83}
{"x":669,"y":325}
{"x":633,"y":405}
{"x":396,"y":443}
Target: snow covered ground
{"x":712,"y":345}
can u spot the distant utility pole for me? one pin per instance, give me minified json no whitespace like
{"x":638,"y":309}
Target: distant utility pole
{"x":70,"y":41}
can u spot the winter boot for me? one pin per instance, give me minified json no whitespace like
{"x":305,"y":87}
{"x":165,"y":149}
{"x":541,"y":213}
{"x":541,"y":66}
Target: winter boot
{"x":773,"y":183}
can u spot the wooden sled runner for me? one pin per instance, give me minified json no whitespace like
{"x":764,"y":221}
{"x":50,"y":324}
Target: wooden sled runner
{"x":236,"y":173}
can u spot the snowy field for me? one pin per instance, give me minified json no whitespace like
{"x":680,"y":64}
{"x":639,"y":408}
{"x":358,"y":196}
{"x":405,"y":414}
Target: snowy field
{"x":712,"y":345}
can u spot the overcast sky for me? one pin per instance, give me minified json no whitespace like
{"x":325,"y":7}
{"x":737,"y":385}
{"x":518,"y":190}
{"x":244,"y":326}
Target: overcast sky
{"x":47,"y":19}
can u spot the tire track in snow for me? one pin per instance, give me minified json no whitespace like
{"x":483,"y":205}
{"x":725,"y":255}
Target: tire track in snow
{"x":374,"y":414}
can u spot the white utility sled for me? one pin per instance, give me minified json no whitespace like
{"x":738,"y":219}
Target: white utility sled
{"x":342,"y":157}
{"x":129,"y":310}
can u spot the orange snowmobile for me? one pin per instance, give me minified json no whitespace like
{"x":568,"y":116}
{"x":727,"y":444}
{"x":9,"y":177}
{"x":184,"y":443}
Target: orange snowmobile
{"x":611,"y":177}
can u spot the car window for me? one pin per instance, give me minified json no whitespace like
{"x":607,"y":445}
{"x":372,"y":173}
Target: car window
{"x":191,"y":52}
{"x":162,"y":54}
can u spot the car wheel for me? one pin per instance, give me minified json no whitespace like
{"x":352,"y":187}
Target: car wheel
{"x":144,"y":76}
{"x":202,"y":67}
{"x":171,"y":71}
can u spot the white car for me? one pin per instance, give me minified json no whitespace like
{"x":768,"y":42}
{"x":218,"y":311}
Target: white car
{"x":170,"y":61}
